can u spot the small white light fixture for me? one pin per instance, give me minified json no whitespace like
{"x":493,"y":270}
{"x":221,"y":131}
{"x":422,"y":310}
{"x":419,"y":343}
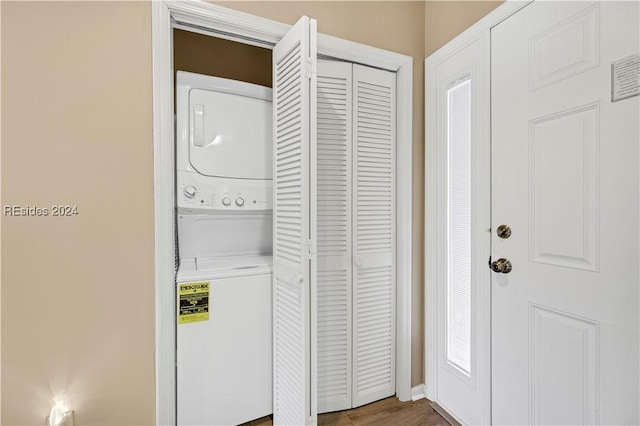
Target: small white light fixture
{"x":60,"y":414}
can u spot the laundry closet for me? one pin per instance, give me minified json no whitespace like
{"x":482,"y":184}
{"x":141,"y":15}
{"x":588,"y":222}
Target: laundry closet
{"x":238,"y":200}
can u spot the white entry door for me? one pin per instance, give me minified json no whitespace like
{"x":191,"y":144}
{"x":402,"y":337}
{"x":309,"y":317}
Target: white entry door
{"x":565,"y":180}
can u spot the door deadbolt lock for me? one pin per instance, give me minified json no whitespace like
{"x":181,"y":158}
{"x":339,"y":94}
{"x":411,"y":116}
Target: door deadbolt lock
{"x":501,"y":265}
{"x":504,"y":231}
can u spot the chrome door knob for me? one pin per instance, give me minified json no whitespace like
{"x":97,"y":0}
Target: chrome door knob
{"x":501,"y":265}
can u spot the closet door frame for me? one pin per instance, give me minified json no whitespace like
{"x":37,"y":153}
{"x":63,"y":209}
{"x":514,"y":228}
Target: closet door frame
{"x":221,"y":22}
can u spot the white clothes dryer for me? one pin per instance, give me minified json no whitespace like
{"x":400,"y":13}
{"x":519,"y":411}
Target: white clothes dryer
{"x":224,"y":144}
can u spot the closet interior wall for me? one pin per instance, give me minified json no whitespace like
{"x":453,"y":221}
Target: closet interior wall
{"x":208,"y":55}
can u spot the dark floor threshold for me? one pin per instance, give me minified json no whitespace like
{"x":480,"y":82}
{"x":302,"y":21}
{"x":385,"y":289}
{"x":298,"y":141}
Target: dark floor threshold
{"x":438,"y":409}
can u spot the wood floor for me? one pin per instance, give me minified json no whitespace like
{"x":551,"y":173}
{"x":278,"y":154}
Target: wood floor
{"x":387,"y":412}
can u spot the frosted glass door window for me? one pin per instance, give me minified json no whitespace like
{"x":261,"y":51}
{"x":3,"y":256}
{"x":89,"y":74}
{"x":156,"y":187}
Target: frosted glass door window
{"x":459,"y":226}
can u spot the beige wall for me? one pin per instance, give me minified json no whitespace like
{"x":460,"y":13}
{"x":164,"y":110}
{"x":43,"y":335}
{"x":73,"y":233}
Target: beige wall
{"x":77,"y":293}
{"x":443,"y":20}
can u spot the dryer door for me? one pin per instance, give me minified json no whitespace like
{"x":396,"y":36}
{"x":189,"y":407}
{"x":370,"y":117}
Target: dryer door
{"x":230,"y":133}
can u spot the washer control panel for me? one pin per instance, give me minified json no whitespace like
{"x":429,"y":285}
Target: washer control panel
{"x":223,"y":194}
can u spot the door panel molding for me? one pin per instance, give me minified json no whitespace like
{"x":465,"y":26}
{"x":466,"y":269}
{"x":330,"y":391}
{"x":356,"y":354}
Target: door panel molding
{"x":551,"y":150}
{"x":544,"y":349}
{"x":559,"y":65}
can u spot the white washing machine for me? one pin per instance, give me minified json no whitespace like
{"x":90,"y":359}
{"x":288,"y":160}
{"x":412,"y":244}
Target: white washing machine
{"x":224,"y":316}
{"x":224,"y":217}
{"x":225,"y":362}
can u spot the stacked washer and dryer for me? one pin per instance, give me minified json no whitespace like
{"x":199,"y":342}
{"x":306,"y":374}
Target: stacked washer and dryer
{"x":224,"y":219}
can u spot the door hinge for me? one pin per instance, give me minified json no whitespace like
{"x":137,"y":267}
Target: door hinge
{"x":310,"y":68}
{"x":310,"y":249}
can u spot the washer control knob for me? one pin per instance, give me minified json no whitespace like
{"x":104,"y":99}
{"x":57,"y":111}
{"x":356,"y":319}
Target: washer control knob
{"x":226,"y":201}
{"x":190,"y":191}
{"x":240,"y":202}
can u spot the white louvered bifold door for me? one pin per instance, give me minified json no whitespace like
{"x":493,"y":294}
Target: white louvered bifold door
{"x":374,"y":131}
{"x":294,"y":106}
{"x":334,"y":235}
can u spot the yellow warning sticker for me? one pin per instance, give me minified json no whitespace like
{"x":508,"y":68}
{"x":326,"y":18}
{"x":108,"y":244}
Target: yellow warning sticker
{"x":193,"y":302}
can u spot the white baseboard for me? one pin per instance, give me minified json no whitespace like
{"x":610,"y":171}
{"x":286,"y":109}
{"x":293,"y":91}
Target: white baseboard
{"x":417,"y":392}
